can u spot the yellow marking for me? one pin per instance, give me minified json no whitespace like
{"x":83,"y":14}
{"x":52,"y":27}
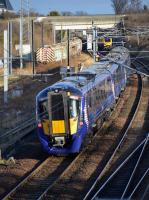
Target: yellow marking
{"x":58,"y":126}
{"x":45,"y":124}
{"x":73,"y":125}
{"x":68,"y":93}
{"x":108,"y":44}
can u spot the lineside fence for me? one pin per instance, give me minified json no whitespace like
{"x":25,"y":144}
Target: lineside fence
{"x":13,"y":135}
{"x":17,"y":117}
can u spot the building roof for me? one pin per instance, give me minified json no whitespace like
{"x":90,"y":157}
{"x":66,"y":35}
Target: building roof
{"x":6,"y":5}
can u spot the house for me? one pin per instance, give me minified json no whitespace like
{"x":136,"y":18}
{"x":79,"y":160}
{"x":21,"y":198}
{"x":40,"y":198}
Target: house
{"x":5,"y":6}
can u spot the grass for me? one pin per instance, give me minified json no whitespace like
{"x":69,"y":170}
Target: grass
{"x":47,"y":38}
{"x":138,"y":19}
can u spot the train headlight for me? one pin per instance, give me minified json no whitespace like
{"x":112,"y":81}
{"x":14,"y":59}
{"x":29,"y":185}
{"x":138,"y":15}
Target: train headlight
{"x":68,"y":94}
{"x":39,"y":124}
{"x":56,"y":91}
{"x":81,"y":123}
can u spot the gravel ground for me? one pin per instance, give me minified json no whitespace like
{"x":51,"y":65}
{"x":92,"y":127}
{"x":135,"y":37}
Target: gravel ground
{"x":28,"y":155}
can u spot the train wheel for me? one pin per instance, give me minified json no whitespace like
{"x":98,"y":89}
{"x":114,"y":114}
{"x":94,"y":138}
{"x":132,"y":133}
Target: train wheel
{"x":94,"y":128}
{"x":87,"y":140}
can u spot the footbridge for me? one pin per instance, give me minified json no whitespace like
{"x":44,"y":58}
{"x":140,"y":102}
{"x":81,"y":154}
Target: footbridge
{"x":81,"y":22}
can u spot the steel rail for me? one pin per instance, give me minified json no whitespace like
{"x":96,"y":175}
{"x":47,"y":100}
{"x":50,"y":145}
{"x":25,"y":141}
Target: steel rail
{"x":116,"y":149}
{"x":34,"y":172}
{"x":145,"y":141}
{"x":26,"y":123}
{"x":136,"y":71}
{"x":65,"y":171}
{"x":120,"y":166}
{"x":144,"y":65}
{"x":24,"y":181}
{"x":138,"y":184}
{"x":146,"y":191}
{"x":17,"y":133}
{"x":30,"y":176}
{"x":133,"y":172}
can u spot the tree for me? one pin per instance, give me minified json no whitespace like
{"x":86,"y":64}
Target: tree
{"x":54,"y":13}
{"x":67,"y":13}
{"x":8,"y":15}
{"x":145,"y":8}
{"x":136,"y":5}
{"x":34,"y":13}
{"x":119,"y":6}
{"x":81,"y":13}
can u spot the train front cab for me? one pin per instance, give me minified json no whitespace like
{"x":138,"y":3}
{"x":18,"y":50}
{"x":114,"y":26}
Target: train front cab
{"x":106,"y":42}
{"x":59,"y":115}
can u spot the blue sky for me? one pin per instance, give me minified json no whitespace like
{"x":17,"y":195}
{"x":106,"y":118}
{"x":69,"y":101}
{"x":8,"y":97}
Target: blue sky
{"x":89,"y":6}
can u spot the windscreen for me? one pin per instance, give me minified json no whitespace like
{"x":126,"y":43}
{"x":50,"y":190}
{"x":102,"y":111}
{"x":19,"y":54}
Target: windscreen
{"x":73,"y":108}
{"x":107,"y":40}
{"x":43,"y":109}
{"x":57,"y":107}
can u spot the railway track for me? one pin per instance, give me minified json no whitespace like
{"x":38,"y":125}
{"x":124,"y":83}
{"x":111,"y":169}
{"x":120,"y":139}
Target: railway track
{"x":26,"y":125}
{"x":124,"y":177}
{"x":38,"y":180}
{"x":141,"y":66}
{"x":122,"y":185}
{"x":67,"y":177}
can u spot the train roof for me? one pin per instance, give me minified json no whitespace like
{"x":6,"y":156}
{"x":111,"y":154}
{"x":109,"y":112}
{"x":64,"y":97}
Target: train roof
{"x":118,"y":54}
{"x":81,"y":82}
{"x":96,"y":68}
{"x":84,"y":80}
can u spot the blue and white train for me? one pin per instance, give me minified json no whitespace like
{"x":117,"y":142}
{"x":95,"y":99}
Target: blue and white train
{"x":70,"y":109}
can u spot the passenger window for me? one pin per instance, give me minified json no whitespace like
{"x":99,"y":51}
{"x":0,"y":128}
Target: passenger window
{"x":97,"y":96}
{"x":43,"y":109}
{"x":89,"y":99}
{"x":57,"y":107}
{"x":73,"y":108}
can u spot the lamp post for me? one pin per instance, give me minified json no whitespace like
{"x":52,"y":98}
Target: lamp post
{"x":68,"y":46}
{"x":21,"y":34}
{"x":33,"y":48}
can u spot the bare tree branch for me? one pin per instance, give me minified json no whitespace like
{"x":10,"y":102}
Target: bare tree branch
{"x":119,"y":6}
{"x":136,"y":5}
